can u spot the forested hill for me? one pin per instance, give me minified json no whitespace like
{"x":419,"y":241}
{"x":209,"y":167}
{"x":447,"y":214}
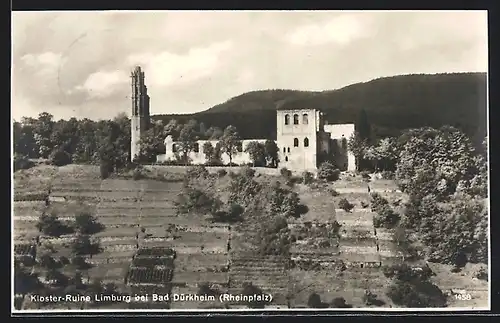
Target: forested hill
{"x":391,"y":104}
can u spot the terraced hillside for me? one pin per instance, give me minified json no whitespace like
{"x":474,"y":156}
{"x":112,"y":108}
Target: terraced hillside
{"x":147,"y":248}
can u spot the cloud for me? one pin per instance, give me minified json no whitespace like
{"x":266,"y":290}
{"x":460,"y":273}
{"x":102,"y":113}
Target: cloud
{"x":103,"y":84}
{"x":340,"y":30}
{"x":45,"y":64}
{"x":167,"y":68}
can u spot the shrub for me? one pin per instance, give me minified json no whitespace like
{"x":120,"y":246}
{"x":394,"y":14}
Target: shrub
{"x":137,"y":174}
{"x":365,"y":174}
{"x":417,"y":294}
{"x":104,"y":169}
{"x":79,"y":262}
{"x":340,"y":302}
{"x":481,"y":274}
{"x":222,"y":172}
{"x":206,"y":289}
{"x":198,"y":171}
{"x":229,"y":216}
{"x":50,"y":225}
{"x":86,"y":223}
{"x":194,"y":199}
{"x":370,"y":298}
{"x":333,"y":192}
{"x":286,"y":173}
{"x":22,"y":162}
{"x":314,"y":301}
{"x":345,"y":205}
{"x":386,"y":217}
{"x":307,"y":177}
{"x":249,"y":290}
{"x":364,"y":204}
{"x":60,"y":157}
{"x":387,"y":175}
{"x":378,"y":202}
{"x":248,"y":172}
{"x":328,"y":171}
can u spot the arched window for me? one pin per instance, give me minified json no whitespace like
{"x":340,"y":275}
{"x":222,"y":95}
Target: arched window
{"x":287,"y":119}
{"x":174,"y":148}
{"x":295,"y":119}
{"x":344,"y":143}
{"x":284,"y":149}
{"x":295,"y":142}
{"x":288,"y":149}
{"x":305,"y":119}
{"x":286,"y":158}
{"x":306,"y":142}
{"x":196,"y":147}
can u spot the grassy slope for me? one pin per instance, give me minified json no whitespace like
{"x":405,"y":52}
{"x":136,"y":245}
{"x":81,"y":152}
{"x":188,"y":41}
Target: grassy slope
{"x":351,"y":286}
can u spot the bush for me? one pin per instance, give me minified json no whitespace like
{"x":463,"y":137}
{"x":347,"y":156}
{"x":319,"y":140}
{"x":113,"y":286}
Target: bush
{"x":365,"y":174}
{"x":328,"y":171}
{"x":248,"y":172}
{"x":314,"y":301}
{"x":60,"y":157}
{"x":198,"y":171}
{"x":206,"y":289}
{"x":104,"y":169}
{"x":249,"y":290}
{"x":137,"y":174}
{"x":333,"y":192}
{"x":50,"y":225}
{"x":229,"y":216}
{"x":386,"y":217}
{"x":307,"y":177}
{"x":418,"y":294}
{"x":387,"y":175}
{"x":22,"y":162}
{"x":481,"y":274}
{"x":286,"y":173}
{"x":340,"y":302}
{"x":345,"y":205}
{"x":370,"y":298}
{"x":222,"y":172}
{"x":86,"y":223}
{"x":378,"y":202}
{"x":364,"y":204}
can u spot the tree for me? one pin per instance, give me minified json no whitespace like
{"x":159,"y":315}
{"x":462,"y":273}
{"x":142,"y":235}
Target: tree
{"x":271,"y":152}
{"x":83,"y":245}
{"x":86,"y":223}
{"x":229,"y":142}
{"x":50,"y":225}
{"x":187,"y":140}
{"x":208,"y":150}
{"x":438,"y":158}
{"x":328,"y":171}
{"x":257,"y":153}
{"x":214,"y":133}
{"x":60,"y":157}
{"x":42,"y":132}
{"x":357,"y":146}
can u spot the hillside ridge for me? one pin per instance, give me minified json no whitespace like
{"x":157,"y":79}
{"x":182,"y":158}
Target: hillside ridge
{"x":392,"y":104}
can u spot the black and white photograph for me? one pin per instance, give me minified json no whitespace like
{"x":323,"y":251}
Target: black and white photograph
{"x":242,"y":161}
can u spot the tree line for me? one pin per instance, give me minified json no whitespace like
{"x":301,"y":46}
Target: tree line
{"x":107,"y":142}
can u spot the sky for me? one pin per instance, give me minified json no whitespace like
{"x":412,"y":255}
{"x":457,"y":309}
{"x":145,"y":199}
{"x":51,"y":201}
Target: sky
{"x":78,"y":64}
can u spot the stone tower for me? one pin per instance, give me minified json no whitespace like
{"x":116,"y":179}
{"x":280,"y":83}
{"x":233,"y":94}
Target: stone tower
{"x":296,"y":134}
{"x":140,"y":110}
